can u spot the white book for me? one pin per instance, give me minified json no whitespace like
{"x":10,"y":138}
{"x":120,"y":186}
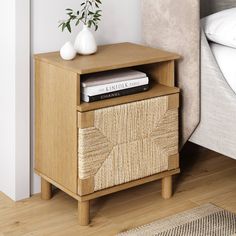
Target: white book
{"x":113,"y":87}
{"x":109,"y":77}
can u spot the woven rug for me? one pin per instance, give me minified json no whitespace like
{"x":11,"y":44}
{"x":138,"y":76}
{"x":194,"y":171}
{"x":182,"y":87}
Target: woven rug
{"x":207,"y":220}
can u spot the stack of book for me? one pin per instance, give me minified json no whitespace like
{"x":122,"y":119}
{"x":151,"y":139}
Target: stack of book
{"x":112,"y":84}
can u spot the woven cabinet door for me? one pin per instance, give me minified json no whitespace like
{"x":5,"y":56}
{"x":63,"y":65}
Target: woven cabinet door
{"x":127,"y":142}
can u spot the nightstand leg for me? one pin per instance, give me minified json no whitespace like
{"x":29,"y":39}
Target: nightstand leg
{"x":46,"y":190}
{"x":83,"y":213}
{"x":167,"y":187}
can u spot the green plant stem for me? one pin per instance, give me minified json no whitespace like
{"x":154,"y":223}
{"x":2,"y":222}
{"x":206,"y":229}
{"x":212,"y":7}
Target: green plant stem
{"x":86,"y":11}
{"x":88,"y":15}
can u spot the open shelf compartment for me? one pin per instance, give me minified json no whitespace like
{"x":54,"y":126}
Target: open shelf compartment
{"x":156,"y":90}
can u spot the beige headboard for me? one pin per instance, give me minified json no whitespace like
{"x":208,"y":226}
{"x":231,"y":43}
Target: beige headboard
{"x":174,"y":25}
{"x":212,"y":6}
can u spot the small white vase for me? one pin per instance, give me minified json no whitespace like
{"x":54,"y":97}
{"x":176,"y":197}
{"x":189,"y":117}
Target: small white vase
{"x":68,"y":52}
{"x":85,"y":42}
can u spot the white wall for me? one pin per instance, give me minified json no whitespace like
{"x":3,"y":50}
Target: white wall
{"x":14,"y":99}
{"x":121,"y":23}
{"x":22,"y":99}
{"x":7,"y":99}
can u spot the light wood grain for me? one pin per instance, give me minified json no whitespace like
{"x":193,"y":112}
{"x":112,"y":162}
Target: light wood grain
{"x":85,"y":186}
{"x":130,"y":184}
{"x":162,"y":72}
{"x":173,"y":101}
{"x":78,"y":93}
{"x":111,"y":190}
{"x":46,"y":189}
{"x":85,"y":119}
{"x":156,"y":90}
{"x":110,"y":57}
{"x":167,"y":187}
{"x":206,"y":177}
{"x":173,"y":162}
{"x":83,"y":213}
{"x":56,"y":124}
{"x":59,"y":186}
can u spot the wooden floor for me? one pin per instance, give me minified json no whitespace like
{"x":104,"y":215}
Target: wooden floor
{"x":206,"y":177}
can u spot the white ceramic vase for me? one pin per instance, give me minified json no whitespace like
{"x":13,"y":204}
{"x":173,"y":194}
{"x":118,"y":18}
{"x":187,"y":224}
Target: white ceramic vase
{"x":85,"y":42}
{"x":68,"y":52}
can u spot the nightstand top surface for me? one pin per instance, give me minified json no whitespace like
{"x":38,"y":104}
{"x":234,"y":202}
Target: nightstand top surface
{"x":110,"y":57}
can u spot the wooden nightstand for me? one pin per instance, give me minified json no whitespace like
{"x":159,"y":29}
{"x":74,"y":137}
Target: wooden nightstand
{"x":89,"y":150}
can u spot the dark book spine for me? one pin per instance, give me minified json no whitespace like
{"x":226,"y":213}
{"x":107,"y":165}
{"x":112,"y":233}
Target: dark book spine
{"x":119,"y":93}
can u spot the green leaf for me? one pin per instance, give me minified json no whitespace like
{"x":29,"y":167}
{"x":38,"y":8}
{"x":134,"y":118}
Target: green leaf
{"x":63,"y":26}
{"x":89,"y":23}
{"x":60,"y":24}
{"x":89,"y":13}
{"x":77,"y":22}
{"x":68,"y":26}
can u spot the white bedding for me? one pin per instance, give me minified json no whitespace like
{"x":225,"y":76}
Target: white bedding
{"x":221,"y":27}
{"x":226,"y":59}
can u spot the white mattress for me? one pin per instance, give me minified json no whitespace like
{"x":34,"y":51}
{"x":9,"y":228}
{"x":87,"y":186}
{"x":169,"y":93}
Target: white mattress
{"x":226,"y":59}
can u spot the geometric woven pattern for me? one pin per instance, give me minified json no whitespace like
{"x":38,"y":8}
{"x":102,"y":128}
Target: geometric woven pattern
{"x":128,"y":142}
{"x":207,"y":220}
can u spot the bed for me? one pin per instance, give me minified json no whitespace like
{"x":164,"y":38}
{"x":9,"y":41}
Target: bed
{"x":209,"y":95}
{"x":217,"y":129}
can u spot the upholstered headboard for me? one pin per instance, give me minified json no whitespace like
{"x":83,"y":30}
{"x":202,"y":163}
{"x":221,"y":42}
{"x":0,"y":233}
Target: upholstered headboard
{"x":211,"y":6}
{"x":174,"y":25}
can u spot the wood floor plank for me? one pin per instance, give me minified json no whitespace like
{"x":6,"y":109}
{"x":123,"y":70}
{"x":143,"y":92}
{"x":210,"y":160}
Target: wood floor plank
{"x":226,"y":199}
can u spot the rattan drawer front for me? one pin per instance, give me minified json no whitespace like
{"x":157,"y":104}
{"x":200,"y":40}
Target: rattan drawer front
{"x":126,"y":142}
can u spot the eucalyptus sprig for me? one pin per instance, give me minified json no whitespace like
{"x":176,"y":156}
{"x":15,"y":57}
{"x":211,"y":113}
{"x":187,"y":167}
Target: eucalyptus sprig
{"x":89,"y":14}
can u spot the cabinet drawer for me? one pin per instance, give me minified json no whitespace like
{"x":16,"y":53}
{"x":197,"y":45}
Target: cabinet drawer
{"x":127,"y":142}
